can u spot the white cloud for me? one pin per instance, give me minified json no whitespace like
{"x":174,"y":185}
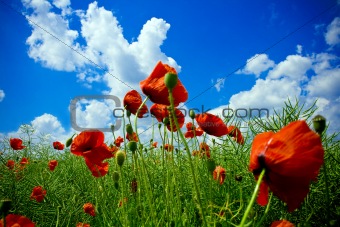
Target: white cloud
{"x":219,"y":84}
{"x":47,"y":124}
{"x":2,"y":95}
{"x":332,"y":36}
{"x":294,"y":67}
{"x":257,"y":64}
{"x":298,"y":49}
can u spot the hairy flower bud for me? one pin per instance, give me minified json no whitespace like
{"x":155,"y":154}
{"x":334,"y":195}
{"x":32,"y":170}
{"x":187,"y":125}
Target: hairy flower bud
{"x":120,"y":157}
{"x":170,"y":80}
{"x":129,"y":129}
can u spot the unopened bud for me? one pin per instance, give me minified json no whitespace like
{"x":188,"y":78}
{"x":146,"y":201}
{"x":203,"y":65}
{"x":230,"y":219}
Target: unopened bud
{"x":319,"y":123}
{"x":120,"y":157}
{"x":170,"y":80}
{"x":128,"y":113}
{"x":129,"y":129}
{"x":69,"y":141}
{"x":115,"y":176}
{"x":166,"y":120}
{"x":192,"y":114}
{"x":132,"y":145}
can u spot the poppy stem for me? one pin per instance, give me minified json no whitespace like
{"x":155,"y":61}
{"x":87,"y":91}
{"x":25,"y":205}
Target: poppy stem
{"x":252,"y":200}
{"x":172,"y":109}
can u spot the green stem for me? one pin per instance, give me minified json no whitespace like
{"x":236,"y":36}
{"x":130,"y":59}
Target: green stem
{"x":252,"y":200}
{"x":172,"y":107}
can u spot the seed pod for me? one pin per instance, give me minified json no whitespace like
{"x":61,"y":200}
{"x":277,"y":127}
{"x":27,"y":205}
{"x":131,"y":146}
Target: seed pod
{"x":319,"y":123}
{"x":120,"y":157}
{"x":170,"y":80}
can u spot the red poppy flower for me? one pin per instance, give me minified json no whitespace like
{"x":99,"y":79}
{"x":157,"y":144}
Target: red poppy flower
{"x":38,"y":193}
{"x":132,"y":137}
{"x":58,"y":145}
{"x":118,"y":141}
{"x":234,"y":132}
{"x":211,"y":124}
{"x":10,"y":164}
{"x":89,"y":209}
{"x":154,"y":144}
{"x":52,"y":164}
{"x":291,"y":157}
{"x":14,"y":220}
{"x":90,"y":145}
{"x":155,"y":89}
{"x":80,"y":224}
{"x":24,"y":162}
{"x":161,"y":112}
{"x":192,"y":130}
{"x":168,"y":147}
{"x":16,"y":144}
{"x":219,"y":174}
{"x":132,"y":101}
{"x":282,"y":223}
{"x":204,"y":147}
{"x":201,"y":153}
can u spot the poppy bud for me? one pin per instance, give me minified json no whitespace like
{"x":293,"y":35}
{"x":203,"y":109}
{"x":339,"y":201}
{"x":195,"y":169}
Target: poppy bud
{"x":69,"y":141}
{"x":319,"y":123}
{"x":128,"y":113}
{"x":132,"y":145}
{"x":115,"y":176}
{"x":170,"y":80}
{"x":166,"y":120}
{"x":120,"y":157}
{"x":112,"y":128}
{"x":134,"y":185}
{"x":192,"y":114}
{"x":129,"y":129}
{"x":6,"y":205}
{"x":211,"y":165}
{"x":159,"y":126}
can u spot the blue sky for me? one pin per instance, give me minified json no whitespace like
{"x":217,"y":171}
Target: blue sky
{"x":262,"y":52}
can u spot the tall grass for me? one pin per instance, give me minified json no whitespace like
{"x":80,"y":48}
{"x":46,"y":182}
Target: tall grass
{"x":165,"y":194}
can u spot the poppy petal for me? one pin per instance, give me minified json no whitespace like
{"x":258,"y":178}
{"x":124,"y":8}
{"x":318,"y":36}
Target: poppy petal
{"x":211,"y":124}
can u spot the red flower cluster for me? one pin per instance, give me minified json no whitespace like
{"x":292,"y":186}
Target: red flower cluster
{"x":14,"y":220}
{"x":10,"y":164}
{"x":155,"y":89}
{"x":291,"y":158}
{"x":168,"y":147}
{"x":38,"y":193}
{"x":52,"y":164}
{"x":89,"y":209}
{"x":234,"y":132}
{"x":90,"y":145}
{"x":58,"y":145}
{"x":16,"y":144}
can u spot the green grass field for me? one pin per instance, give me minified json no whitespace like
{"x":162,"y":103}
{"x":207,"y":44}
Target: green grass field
{"x":165,"y":194}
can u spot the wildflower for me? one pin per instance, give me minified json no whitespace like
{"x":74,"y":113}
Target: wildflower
{"x":118,"y":141}
{"x":168,"y":147}
{"x":204,"y":147}
{"x":154,"y":144}
{"x":132,"y":137}
{"x":58,"y":145}
{"x":23,"y":162}
{"x":291,"y":158}
{"x":192,"y":130}
{"x":134,"y":185}
{"x":17,"y":220}
{"x":38,"y":193}
{"x":16,"y":144}
{"x":282,"y":223}
{"x":154,"y":86}
{"x":80,"y":224}
{"x":212,"y":124}
{"x":90,"y":145}
{"x":219,"y":174}
{"x":161,"y":112}
{"x":52,"y":164}
{"x":234,"y":132}
{"x":10,"y":164}
{"x":132,"y":101}
{"x":89,"y":209}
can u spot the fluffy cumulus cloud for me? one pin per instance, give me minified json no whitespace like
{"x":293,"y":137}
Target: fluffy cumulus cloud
{"x":218,"y":84}
{"x":257,"y":64}
{"x":47,"y":124}
{"x":332,"y":35}
{"x":2,"y":95}
{"x":314,"y":77}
